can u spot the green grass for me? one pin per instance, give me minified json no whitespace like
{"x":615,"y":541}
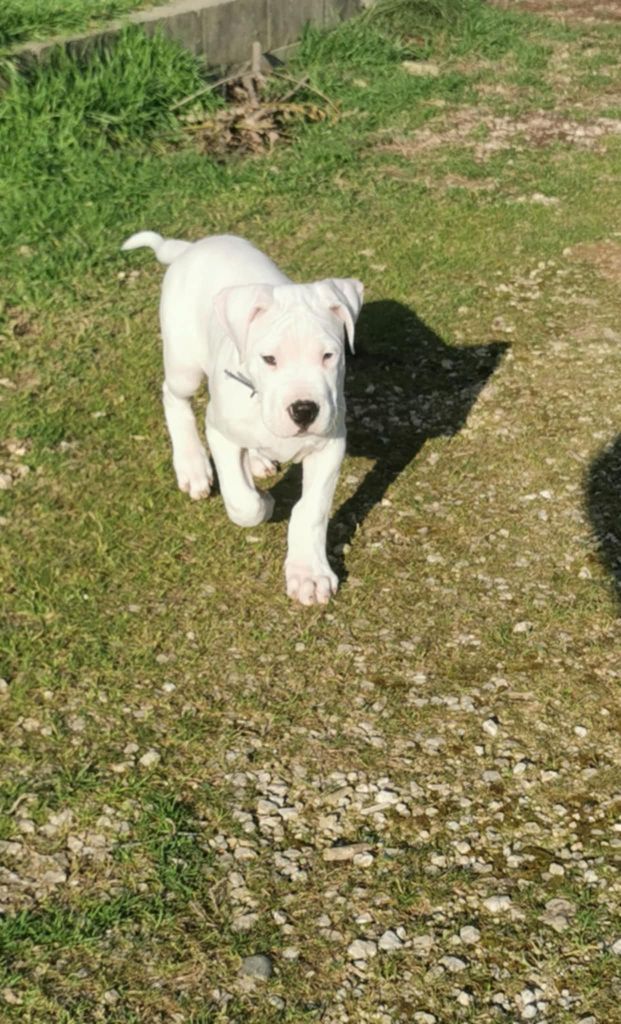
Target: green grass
{"x":479,"y":495}
{"x":24,"y":20}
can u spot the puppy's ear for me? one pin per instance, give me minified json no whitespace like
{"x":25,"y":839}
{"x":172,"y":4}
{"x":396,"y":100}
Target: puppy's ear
{"x":345,"y":296}
{"x":238,"y":307}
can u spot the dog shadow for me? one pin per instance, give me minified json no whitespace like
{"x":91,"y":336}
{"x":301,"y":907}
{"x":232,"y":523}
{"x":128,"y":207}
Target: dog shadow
{"x":603,"y":503}
{"x":404,"y":386}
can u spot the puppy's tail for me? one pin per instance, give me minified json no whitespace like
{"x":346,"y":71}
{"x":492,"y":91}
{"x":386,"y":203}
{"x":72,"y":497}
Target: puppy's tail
{"x":165,"y":249}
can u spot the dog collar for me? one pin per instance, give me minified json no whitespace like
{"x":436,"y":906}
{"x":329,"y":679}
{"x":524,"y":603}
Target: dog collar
{"x":242,"y":380}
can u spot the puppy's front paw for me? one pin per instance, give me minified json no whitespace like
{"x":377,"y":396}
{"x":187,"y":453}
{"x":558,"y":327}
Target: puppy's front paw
{"x":310,"y":585}
{"x":260,"y":466}
{"x":194,"y":474}
{"x":257,"y":509}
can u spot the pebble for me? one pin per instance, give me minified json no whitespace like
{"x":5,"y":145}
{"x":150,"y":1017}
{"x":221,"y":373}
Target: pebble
{"x":580,"y":731}
{"x":363,"y":860}
{"x":464,"y":998}
{"x":560,"y":906}
{"x":469,"y":934}
{"x":490,"y":726}
{"x":257,"y":966}
{"x":422,"y":944}
{"x":290,"y":953}
{"x":150,"y":759}
{"x":497,"y":904}
{"x":244,"y":853}
{"x":341,"y":853}
{"x":453,"y":964}
{"x":616,"y":947}
{"x":390,"y":941}
{"x":424,"y":1018}
{"x":244,"y":922}
{"x":362,"y":949}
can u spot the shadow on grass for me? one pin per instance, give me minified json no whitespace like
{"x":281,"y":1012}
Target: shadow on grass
{"x":404,"y":386}
{"x":603,"y":502}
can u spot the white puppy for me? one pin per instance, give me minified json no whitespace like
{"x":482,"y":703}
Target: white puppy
{"x":274,"y":355}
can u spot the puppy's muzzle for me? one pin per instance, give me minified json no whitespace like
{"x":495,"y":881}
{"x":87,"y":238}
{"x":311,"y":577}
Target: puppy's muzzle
{"x":303,"y":413}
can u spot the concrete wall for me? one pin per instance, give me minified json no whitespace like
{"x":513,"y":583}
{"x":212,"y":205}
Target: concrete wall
{"x":221,"y":31}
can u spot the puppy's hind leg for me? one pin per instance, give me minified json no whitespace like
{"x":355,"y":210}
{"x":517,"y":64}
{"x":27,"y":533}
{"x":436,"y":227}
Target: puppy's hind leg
{"x":191,"y":462}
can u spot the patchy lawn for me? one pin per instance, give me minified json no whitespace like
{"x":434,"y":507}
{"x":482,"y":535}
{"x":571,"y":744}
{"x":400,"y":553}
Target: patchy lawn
{"x":24,"y":20}
{"x":409,"y":800}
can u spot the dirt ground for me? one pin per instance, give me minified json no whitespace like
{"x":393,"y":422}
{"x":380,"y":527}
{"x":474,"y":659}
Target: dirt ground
{"x":569,"y":10}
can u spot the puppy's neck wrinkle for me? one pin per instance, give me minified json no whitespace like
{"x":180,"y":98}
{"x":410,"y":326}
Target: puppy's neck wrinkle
{"x":242,"y":380}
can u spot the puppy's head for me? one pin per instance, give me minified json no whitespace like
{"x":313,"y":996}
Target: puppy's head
{"x":291,"y":341}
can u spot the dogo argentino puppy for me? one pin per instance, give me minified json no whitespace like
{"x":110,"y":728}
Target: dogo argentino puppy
{"x":274,"y":354}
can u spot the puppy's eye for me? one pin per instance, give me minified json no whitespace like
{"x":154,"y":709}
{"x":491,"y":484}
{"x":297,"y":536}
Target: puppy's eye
{"x":270,"y":360}
{"x":327,"y":357}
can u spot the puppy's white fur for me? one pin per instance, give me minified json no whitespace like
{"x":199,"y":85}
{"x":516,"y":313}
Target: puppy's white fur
{"x":272,"y":350}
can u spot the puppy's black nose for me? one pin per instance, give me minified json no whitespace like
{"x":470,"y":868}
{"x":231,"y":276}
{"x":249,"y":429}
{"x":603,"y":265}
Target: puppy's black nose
{"x":303,"y":413}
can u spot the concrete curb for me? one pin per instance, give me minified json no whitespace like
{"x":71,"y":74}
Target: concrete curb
{"x":220,"y":31}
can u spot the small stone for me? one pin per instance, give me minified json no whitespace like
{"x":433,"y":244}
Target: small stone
{"x":490,"y":726}
{"x":616,"y":947}
{"x":363,"y":860}
{"x":11,"y":997}
{"x":556,"y":869}
{"x":557,"y":914}
{"x":244,"y":922}
{"x":497,"y":904}
{"x":111,"y":997}
{"x":424,"y":1018}
{"x":464,"y":998}
{"x":257,"y":966}
{"x":530,"y":1012}
{"x":266,"y":807}
{"x":4,"y":692}
{"x":290,"y":953}
{"x":150,"y":759}
{"x":453,"y":964}
{"x":244,"y":853}
{"x":387,"y":796}
{"x":580,"y":731}
{"x":390,"y":941}
{"x":362,"y":949}
{"x":560,"y":906}
{"x":277,"y":1002}
{"x":422,"y":944}
{"x":470,"y":935}
{"x":556,"y":921}
{"x":55,"y":876}
{"x":344,"y":853}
